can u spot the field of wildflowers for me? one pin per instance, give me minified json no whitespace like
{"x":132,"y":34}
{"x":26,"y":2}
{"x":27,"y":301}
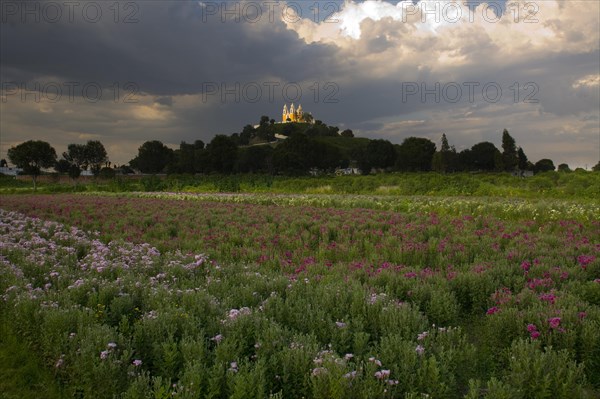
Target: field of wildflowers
{"x":254,"y":296}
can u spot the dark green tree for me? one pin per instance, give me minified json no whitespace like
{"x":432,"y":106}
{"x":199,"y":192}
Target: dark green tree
{"x":247,"y":134}
{"x":186,"y":157}
{"x":543,"y":165}
{"x":523,"y":162}
{"x":292,"y":156}
{"x":563,"y":167}
{"x":484,"y":156}
{"x":307,"y":117}
{"x":347,"y":133}
{"x":415,"y":154}
{"x":62,"y":166}
{"x":255,"y":159}
{"x":288,"y":129}
{"x":222,"y":154}
{"x":596,"y":168}
{"x":76,"y":156}
{"x":32,"y":156}
{"x":325,"y":156}
{"x":95,"y":156}
{"x":378,"y":154}
{"x":153,"y":157}
{"x":299,"y":153}
{"x":107,"y":173}
{"x":264,"y":120}
{"x":444,"y":160}
{"x":510,"y":159}
{"x":465,"y":160}
{"x":265,"y":130}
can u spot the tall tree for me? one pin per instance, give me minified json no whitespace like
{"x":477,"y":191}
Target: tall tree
{"x":510,"y":159}
{"x":563,"y":167}
{"x":76,"y":156}
{"x":484,"y":156}
{"x":222,"y":153}
{"x":544,"y":165}
{"x":293,"y":155}
{"x":186,"y":157}
{"x":153,"y":157}
{"x":415,"y":154}
{"x":381,"y":154}
{"x":523,"y":162}
{"x":444,"y":160}
{"x":64,"y":166}
{"x":247,"y":134}
{"x":95,"y":156}
{"x":307,"y":117}
{"x":32,"y":156}
{"x":265,"y":130}
{"x":255,"y":159}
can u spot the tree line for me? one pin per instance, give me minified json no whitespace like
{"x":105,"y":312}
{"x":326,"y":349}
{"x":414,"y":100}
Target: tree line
{"x":287,"y":149}
{"x":304,"y":150}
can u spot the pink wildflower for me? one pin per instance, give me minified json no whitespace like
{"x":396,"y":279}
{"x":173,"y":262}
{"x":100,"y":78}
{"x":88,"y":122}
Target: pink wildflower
{"x":420,"y":350}
{"x":585,"y":260}
{"x":554,"y":322}
{"x":382,"y":374}
{"x":376,"y":361}
{"x":492,"y":310}
{"x":351,"y":374}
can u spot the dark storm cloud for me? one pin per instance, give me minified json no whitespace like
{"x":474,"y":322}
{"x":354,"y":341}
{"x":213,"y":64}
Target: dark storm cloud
{"x":194,"y":76}
{"x":173,"y":48}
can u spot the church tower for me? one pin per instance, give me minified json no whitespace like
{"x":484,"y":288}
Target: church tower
{"x":284,"y":114}
{"x":292,"y":114}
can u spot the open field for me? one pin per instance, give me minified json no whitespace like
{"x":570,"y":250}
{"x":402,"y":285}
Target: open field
{"x":291,"y":296}
{"x":579,"y":185}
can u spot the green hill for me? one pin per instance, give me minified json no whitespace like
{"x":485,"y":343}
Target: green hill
{"x":345,"y":144}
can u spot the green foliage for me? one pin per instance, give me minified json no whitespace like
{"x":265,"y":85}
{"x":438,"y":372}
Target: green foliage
{"x":32,"y":156}
{"x":415,"y":154}
{"x":544,"y":165}
{"x":303,"y":296}
{"x":542,"y":373}
{"x":152,"y":183}
{"x":510,"y":157}
{"x":153,"y":157}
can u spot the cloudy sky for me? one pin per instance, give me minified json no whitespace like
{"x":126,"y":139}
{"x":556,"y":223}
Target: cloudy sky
{"x":174,"y":71}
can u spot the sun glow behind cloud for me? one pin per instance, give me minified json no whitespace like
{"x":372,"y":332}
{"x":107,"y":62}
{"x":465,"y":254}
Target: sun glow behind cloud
{"x":449,"y":41}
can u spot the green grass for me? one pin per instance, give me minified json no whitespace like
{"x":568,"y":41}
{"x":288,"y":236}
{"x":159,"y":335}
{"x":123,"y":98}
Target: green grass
{"x":22,"y":374}
{"x":574,"y":185}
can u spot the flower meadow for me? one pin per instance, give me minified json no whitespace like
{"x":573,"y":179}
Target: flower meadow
{"x":168,"y":295}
